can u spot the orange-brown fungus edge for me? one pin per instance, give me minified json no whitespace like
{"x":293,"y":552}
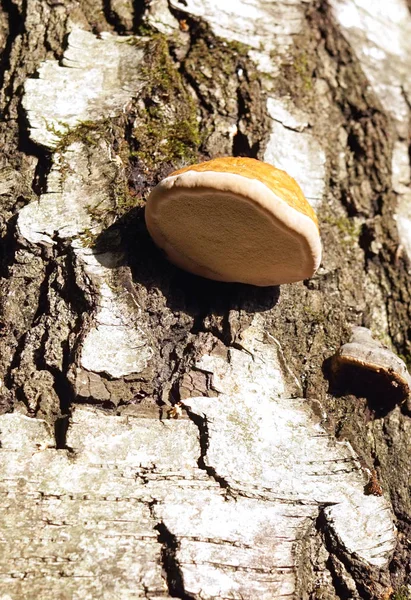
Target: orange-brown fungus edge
{"x":276,"y":180}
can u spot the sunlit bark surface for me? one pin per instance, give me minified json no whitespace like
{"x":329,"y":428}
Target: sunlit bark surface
{"x":164,"y":436}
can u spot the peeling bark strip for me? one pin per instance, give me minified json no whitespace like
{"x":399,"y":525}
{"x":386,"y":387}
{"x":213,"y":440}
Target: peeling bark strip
{"x":263,"y":485}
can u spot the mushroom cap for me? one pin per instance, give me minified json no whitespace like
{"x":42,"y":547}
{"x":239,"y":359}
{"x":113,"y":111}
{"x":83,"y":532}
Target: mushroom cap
{"x":381,"y":368}
{"x":235,"y":219}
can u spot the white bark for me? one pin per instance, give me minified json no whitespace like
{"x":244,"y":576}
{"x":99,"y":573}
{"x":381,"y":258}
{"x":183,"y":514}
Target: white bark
{"x":221,"y":502}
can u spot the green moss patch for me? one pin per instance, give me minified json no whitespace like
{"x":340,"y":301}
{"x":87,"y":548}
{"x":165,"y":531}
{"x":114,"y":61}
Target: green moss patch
{"x":166,"y":128}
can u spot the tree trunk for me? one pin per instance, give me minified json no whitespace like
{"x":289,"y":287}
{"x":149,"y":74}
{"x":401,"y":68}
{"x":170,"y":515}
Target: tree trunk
{"x":167,"y":436}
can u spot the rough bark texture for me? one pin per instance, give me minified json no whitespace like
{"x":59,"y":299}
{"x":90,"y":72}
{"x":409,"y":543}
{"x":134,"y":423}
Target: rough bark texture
{"x":166,"y":436}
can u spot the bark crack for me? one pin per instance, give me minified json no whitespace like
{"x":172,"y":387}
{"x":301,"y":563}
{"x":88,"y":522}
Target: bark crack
{"x":16,"y":22}
{"x":204,"y":439}
{"x":360,"y":574}
{"x":171,"y":566}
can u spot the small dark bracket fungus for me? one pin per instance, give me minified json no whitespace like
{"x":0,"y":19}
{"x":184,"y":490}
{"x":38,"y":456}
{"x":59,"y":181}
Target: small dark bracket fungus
{"x":365,"y":367}
{"x":236,"y":220}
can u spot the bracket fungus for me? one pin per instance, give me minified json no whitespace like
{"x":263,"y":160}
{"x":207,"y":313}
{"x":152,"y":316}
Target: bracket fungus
{"x":236,"y":220}
{"x":367,"y":368}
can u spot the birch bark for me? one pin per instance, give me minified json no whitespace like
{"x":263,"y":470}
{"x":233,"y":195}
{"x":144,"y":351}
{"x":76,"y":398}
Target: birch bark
{"x":271,"y":482}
